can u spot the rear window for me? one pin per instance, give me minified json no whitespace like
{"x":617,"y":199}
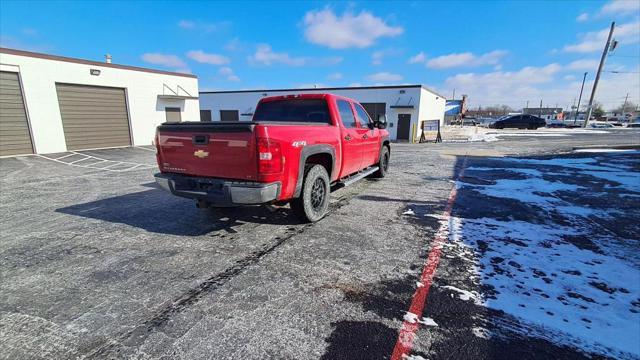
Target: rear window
{"x":293,"y":110}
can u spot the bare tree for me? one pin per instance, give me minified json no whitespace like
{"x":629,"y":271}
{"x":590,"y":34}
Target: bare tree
{"x":624,"y":108}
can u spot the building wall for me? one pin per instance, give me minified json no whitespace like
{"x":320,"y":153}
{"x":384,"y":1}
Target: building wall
{"x":431,"y":108}
{"x":245,"y":102}
{"x":146,"y":111}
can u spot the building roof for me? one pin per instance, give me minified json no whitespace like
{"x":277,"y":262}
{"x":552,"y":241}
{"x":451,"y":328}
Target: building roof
{"x":89,"y":62}
{"x":324,"y":89}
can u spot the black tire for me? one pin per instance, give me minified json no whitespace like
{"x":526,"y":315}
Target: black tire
{"x":383,"y":163}
{"x":313,"y":202}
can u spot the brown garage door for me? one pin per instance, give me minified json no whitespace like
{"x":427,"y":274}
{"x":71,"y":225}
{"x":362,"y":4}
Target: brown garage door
{"x":14,"y":129}
{"x":93,"y":116}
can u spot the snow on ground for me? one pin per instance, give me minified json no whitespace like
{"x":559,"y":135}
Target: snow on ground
{"x":586,"y":296}
{"x":602,"y":150}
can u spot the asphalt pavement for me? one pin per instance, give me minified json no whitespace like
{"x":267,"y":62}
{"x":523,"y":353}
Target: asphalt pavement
{"x":97,"y":262}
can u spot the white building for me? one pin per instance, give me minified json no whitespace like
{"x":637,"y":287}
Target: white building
{"x":406,"y":106}
{"x":52,"y":104}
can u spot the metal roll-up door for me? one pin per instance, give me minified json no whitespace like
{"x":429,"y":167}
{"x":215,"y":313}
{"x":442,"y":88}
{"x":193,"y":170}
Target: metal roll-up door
{"x":93,"y":116}
{"x":15,"y":138}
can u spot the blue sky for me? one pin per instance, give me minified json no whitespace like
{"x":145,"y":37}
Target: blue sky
{"x":496,"y":52}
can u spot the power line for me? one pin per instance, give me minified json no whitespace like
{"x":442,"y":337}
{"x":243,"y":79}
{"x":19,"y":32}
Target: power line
{"x":621,"y":72}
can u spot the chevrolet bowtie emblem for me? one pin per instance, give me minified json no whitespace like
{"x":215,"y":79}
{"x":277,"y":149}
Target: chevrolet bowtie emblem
{"x":201,"y":154}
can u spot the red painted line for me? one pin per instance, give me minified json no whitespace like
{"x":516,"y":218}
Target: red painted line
{"x":407,"y":335}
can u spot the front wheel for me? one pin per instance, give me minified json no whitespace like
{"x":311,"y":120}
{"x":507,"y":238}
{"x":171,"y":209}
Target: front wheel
{"x":383,"y":164}
{"x":313,"y":202}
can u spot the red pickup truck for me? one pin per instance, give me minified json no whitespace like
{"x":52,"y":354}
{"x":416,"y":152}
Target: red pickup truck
{"x":293,"y":150}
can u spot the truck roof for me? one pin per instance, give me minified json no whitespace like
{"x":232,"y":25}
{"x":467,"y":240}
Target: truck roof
{"x":303,"y":96}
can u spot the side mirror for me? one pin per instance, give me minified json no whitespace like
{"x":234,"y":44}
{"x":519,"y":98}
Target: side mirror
{"x":381,"y":123}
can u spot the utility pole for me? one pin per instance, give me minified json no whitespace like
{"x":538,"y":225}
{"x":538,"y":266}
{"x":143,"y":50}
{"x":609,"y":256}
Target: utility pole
{"x":580,"y":98}
{"x":540,"y":110}
{"x":624,"y":106}
{"x":595,"y":82}
{"x":454,"y":95}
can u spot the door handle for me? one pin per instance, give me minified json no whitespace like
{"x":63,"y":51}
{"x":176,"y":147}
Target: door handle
{"x":348,"y":137}
{"x":365,"y":136}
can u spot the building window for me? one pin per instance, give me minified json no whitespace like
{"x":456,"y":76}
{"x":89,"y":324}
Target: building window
{"x":205,"y":115}
{"x":229,"y":115}
{"x":173,"y":114}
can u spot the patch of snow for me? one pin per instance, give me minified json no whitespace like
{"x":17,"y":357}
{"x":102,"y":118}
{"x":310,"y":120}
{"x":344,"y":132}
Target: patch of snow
{"x":481,"y":332}
{"x":532,"y":134}
{"x":412,"y":357}
{"x":428,"y":322}
{"x":410,"y":317}
{"x":602,"y":150}
{"x":585,"y":298}
{"x":482,"y":137}
{"x":463,"y":294}
{"x":413,"y":318}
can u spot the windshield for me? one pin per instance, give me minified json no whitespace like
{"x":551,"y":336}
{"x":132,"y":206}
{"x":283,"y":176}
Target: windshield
{"x":294,"y":110}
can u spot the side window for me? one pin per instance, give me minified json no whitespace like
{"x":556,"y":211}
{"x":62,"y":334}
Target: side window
{"x":346,"y":115}
{"x":363,"y":117}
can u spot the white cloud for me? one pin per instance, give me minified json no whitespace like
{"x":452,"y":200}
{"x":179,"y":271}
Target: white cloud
{"x":534,"y":83}
{"x":186,"y":24}
{"x":311,"y":86}
{"x":583,"y":64}
{"x":203,"y":27}
{"x":628,"y":33}
{"x":582,"y":17}
{"x":418,"y":58}
{"x":265,"y":55}
{"x":228,"y":73}
{"x":621,"y":7}
{"x":355,"y":84}
{"x":384,"y":77}
{"x":323,"y":27}
{"x":205,"y":58}
{"x":376,"y":57}
{"x":164,"y":60}
{"x":466,"y":59}
{"x":233,"y":45}
{"x":335,"y":76}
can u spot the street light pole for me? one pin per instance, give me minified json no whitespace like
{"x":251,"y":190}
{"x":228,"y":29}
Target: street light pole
{"x":580,"y":98}
{"x":595,"y":82}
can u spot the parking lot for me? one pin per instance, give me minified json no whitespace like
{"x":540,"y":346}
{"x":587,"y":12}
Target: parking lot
{"x":514,"y":248}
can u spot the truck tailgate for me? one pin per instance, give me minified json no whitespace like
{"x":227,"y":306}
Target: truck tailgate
{"x":220,"y":150}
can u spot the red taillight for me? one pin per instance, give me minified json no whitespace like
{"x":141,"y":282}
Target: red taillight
{"x":269,"y":156}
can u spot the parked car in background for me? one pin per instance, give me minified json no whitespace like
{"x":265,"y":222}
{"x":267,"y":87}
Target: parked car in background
{"x":600,"y":125}
{"x":293,"y":150}
{"x":633,"y":125}
{"x":556,"y":124}
{"x":521,"y":121}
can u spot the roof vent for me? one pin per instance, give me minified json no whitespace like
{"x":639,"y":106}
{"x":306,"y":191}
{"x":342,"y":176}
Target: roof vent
{"x":107,"y":58}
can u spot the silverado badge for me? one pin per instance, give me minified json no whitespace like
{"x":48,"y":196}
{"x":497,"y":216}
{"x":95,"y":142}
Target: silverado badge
{"x":201,"y":154}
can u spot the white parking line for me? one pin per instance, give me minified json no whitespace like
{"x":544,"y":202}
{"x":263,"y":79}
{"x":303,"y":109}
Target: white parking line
{"x":76,"y":163}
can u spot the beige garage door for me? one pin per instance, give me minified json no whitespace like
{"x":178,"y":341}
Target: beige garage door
{"x":93,"y":117}
{"x":14,"y":129}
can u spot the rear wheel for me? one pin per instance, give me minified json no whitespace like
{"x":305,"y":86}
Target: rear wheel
{"x":383,"y":164}
{"x":313,"y":202}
